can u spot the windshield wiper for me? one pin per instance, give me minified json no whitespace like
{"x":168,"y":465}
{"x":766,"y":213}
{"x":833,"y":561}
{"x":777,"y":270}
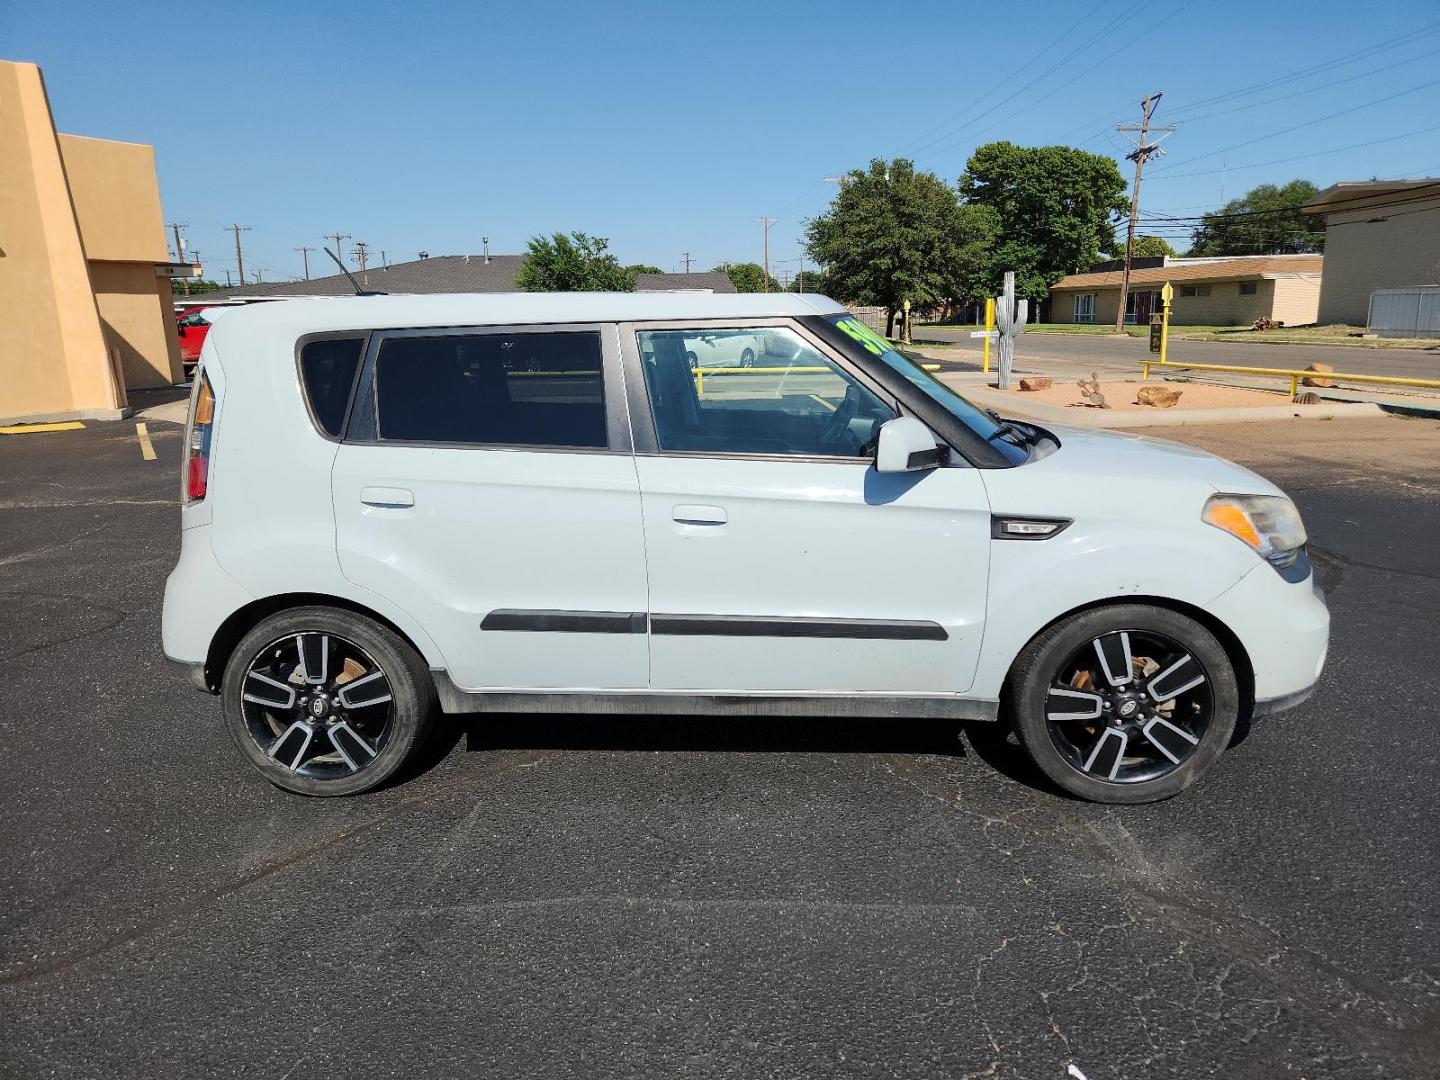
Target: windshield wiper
{"x":1026,"y":434}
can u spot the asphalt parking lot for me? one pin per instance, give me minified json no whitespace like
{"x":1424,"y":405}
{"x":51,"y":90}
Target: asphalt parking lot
{"x":678,"y":897}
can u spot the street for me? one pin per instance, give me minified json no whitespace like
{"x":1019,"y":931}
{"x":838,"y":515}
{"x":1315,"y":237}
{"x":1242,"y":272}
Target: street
{"x":1117,"y":354}
{"x":579,"y":897}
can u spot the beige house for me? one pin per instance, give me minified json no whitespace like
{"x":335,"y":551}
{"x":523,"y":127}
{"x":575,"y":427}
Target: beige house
{"x":84,"y":286}
{"x":1379,"y":234}
{"x":1208,"y":292}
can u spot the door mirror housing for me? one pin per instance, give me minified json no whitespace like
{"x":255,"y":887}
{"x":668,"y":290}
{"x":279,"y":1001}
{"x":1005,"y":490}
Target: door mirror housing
{"x":907,"y":445}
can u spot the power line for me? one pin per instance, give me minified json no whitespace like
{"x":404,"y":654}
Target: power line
{"x":1302,"y":157}
{"x":337,"y":237}
{"x":1330,"y":207}
{"x":1308,"y":123}
{"x":1390,"y":66}
{"x":966,"y":111}
{"x":1127,"y":47}
{"x":1313,"y":69}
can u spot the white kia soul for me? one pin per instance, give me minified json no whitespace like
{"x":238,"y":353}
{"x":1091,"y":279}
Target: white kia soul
{"x":542,"y":503}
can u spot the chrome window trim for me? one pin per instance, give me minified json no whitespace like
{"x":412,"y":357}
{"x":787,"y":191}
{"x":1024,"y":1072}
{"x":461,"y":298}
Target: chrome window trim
{"x":363,"y":336}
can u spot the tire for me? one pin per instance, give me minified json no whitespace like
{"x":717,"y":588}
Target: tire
{"x":1148,"y":739}
{"x":747,"y":357}
{"x":692,"y":359}
{"x":378,"y":699}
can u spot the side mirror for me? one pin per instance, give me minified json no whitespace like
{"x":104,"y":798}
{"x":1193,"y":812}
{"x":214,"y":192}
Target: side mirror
{"x":907,"y":445}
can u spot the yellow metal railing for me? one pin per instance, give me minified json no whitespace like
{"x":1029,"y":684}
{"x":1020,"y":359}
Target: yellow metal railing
{"x":701,"y":372}
{"x":1291,"y":374}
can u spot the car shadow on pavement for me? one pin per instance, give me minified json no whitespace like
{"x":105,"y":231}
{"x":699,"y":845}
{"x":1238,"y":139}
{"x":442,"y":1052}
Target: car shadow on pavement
{"x":991,"y":742}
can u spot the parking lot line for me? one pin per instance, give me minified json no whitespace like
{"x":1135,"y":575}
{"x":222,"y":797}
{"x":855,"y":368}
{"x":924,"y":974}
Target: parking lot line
{"x":25,"y":429}
{"x":147,"y":449}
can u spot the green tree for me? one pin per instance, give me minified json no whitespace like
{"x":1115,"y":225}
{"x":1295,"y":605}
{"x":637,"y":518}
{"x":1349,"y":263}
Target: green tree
{"x":893,"y":234}
{"x":1146,"y":247}
{"x":809,"y":281}
{"x":574,"y":263}
{"x":197,"y":285}
{"x":643,"y":268}
{"x":748,"y":277}
{"x":1055,"y":210}
{"x":1277,"y":226}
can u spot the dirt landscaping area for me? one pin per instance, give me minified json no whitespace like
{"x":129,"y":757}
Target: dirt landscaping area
{"x":1121,"y":395}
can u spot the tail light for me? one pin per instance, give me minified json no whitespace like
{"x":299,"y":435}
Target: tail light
{"x":197,"y":443}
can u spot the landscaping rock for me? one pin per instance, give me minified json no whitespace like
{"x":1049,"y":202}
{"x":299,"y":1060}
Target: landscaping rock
{"x":1161,"y":397}
{"x":1037,"y":383}
{"x":1318,"y":381}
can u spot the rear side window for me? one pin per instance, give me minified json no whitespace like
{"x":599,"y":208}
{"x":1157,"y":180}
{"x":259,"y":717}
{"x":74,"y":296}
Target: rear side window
{"x":327,"y":368}
{"x":540,"y":389}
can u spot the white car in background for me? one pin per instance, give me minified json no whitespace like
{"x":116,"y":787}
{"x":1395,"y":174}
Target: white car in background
{"x":721,"y":350}
{"x":533,"y":503}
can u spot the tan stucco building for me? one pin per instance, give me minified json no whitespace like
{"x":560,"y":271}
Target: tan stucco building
{"x":1208,"y":292}
{"x":84,"y":308}
{"x":1379,"y":234}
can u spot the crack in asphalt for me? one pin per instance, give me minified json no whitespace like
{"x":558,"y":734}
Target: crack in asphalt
{"x":29,"y":972}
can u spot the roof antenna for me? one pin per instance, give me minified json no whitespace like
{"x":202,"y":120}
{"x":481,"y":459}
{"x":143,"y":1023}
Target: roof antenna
{"x":353,"y":283}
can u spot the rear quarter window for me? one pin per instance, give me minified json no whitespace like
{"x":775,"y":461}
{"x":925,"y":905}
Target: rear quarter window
{"x":327,"y":371}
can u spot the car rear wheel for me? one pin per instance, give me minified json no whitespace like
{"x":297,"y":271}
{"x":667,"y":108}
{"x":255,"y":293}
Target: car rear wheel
{"x":1124,"y":704}
{"x":325,"y":701}
{"x":747,"y":357}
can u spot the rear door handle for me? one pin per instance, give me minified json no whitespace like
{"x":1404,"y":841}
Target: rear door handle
{"x":694,"y":514}
{"x":388,"y":497}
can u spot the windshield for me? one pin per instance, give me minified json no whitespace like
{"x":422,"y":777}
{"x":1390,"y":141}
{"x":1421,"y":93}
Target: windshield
{"x":972,"y":416}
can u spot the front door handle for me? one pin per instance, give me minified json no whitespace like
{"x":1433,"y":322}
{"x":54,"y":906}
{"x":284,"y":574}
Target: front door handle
{"x":694,"y":514}
{"x":387,"y":497}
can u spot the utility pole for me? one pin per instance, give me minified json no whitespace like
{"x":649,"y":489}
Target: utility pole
{"x":362,"y":254}
{"x":800,"y":277}
{"x":305,"y":255}
{"x":239,"y":256}
{"x":765,"y":223}
{"x":337,"y":237}
{"x":259,"y":277}
{"x":1144,"y":149}
{"x":686,"y":256}
{"x":175,"y":227}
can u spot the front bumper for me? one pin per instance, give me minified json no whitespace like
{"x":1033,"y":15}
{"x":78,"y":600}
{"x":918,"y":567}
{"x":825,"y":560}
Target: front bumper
{"x":194,"y":672}
{"x":1285,"y":629}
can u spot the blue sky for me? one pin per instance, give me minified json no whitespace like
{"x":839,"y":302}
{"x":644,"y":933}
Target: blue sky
{"x":669,"y":127}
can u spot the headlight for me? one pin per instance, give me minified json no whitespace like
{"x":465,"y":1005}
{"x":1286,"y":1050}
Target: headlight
{"x":1270,"y":524}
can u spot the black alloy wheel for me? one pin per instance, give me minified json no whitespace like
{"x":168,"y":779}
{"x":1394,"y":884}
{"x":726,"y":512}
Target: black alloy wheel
{"x":326,"y":702}
{"x":1125,"y":704}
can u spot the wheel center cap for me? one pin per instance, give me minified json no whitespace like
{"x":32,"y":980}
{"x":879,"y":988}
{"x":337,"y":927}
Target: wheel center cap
{"x":1127,"y":708}
{"x":319,"y":707}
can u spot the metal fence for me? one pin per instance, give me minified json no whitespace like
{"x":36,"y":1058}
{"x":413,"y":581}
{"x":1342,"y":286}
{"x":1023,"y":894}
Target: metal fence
{"x":1399,"y":313}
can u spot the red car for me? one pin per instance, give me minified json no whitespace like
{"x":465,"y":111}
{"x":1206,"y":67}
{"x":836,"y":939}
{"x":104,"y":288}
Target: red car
{"x":192,"y":327}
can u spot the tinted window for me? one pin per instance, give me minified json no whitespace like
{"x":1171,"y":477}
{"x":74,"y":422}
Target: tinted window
{"x":327,"y":368}
{"x":755,"y":391}
{"x":508,"y":389}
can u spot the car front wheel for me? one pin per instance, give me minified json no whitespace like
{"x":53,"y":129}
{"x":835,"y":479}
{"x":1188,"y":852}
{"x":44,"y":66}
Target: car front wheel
{"x":325,"y":701}
{"x":1124,"y":704}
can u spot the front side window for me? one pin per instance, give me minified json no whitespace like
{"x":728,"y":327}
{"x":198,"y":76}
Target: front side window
{"x":755,"y":391}
{"x":541,"y":389}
